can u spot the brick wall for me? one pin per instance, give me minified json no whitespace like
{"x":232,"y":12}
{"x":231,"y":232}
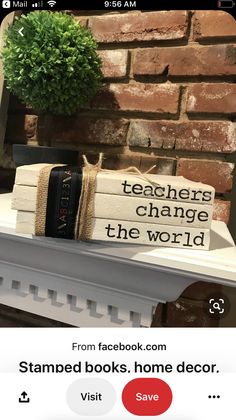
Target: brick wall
{"x":168,"y":98}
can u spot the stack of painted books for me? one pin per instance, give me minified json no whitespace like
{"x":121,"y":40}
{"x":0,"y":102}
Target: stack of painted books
{"x":126,"y":207}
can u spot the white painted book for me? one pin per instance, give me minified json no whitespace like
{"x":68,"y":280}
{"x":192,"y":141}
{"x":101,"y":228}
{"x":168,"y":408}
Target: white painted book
{"x":161,"y":187}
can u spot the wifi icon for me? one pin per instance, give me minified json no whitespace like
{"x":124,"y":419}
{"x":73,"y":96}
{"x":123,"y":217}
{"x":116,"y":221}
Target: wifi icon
{"x":51,"y":3}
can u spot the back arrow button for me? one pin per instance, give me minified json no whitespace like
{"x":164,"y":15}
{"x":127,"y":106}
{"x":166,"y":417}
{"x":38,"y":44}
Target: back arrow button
{"x":21,"y":30}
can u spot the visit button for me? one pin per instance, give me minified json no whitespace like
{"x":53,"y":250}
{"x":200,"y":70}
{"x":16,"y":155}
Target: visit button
{"x":147,"y":396}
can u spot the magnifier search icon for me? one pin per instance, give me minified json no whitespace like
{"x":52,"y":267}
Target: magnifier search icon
{"x":216,"y":306}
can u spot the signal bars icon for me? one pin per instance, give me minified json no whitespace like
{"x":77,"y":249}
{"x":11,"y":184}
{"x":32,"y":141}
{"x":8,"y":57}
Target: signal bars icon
{"x":38,"y":5}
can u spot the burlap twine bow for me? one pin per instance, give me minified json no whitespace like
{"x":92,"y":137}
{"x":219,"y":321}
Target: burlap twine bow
{"x":85,"y":215}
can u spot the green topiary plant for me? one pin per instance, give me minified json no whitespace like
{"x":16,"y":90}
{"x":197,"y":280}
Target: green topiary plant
{"x":54,"y":66}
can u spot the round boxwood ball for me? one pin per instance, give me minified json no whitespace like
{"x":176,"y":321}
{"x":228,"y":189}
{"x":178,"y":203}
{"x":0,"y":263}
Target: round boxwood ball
{"x":54,"y":66}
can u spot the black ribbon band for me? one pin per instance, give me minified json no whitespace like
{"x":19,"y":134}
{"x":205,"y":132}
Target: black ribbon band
{"x":64,"y":191}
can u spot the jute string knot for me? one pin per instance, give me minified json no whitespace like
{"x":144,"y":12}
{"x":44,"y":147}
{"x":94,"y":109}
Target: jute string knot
{"x":85,"y":216}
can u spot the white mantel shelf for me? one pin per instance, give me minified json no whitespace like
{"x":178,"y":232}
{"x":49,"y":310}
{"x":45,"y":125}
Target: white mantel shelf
{"x":102,"y":284}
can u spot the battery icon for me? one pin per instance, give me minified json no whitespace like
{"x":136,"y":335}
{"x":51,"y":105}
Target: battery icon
{"x":225,"y":4}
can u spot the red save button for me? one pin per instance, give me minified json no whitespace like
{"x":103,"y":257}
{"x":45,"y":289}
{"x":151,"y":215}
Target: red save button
{"x":147,"y":396}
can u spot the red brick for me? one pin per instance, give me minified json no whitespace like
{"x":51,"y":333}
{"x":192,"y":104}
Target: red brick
{"x":210,"y":136}
{"x":77,"y":130}
{"x":212,"y":172}
{"x":208,"y":25}
{"x":114,"y":63}
{"x":217,"y":98}
{"x":214,"y":136}
{"x":221,"y":210}
{"x":141,"y":97}
{"x":214,"y":60}
{"x":129,"y":27}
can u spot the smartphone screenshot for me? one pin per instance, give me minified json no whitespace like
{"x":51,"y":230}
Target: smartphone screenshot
{"x":117,"y":210}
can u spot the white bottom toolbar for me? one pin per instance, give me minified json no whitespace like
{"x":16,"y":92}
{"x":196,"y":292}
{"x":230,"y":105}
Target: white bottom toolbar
{"x":64,"y":374}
